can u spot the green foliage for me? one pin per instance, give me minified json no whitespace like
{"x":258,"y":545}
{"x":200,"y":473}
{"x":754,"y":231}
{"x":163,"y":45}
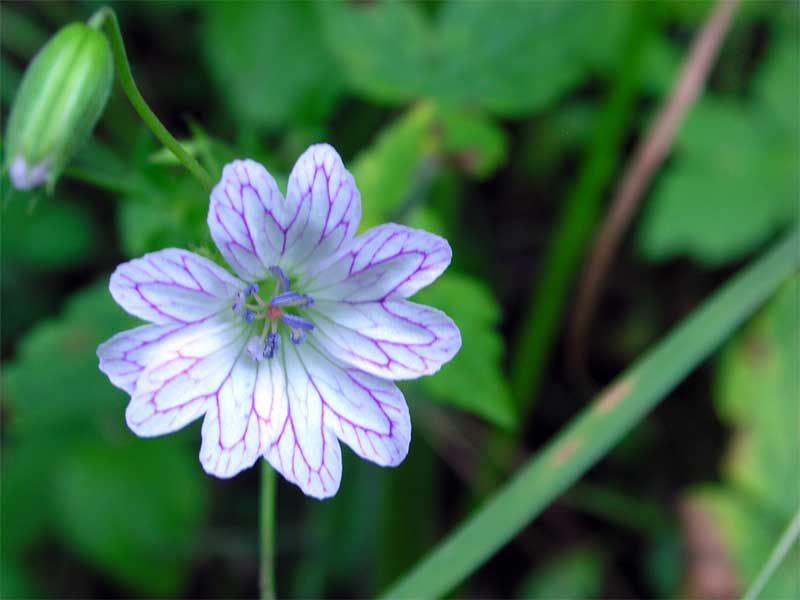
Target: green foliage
{"x":576,"y":574}
{"x":756,"y":392}
{"x":592,"y":433}
{"x":73,"y":472}
{"x":45,"y":235}
{"x":734,"y":182}
{"x":473,"y":380}
{"x":268,"y":62}
{"x":509,"y":62}
{"x":392,"y":176}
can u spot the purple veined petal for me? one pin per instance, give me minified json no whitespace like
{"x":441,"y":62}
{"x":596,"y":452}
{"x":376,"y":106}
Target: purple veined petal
{"x":367,"y":413}
{"x":231,"y":430}
{"x":185,"y":375}
{"x":173,"y":286}
{"x":305,"y":451}
{"x":125,"y":356}
{"x":324,"y":208}
{"x":394,"y":339}
{"x":248,"y":219}
{"x":388,"y":261}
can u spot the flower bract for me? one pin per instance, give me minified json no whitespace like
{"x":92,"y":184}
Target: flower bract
{"x":299,"y":348}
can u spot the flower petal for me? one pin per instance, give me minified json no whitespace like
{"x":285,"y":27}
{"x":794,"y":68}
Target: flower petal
{"x":247,"y":216}
{"x":323,"y":207}
{"x":367,"y":413}
{"x":393,"y":339}
{"x":389,"y":261}
{"x":125,"y":356}
{"x":305,"y":451}
{"x":172,"y":286}
{"x":185,"y":375}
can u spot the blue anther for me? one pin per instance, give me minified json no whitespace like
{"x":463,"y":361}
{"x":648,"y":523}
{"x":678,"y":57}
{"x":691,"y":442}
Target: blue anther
{"x":286,"y":298}
{"x":251,"y":289}
{"x":292,"y":299}
{"x":283,"y":280}
{"x":249,"y":316}
{"x":273,"y":343}
{"x":298,"y":335}
{"x":296,"y":322}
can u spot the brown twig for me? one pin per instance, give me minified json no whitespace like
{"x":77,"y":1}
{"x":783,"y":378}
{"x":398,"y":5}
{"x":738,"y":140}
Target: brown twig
{"x":640,"y":169}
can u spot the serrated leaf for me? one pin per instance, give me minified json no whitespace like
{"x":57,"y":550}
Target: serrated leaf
{"x":126,"y":505}
{"x":733,"y":183}
{"x":269,"y":63}
{"x":474,"y":380}
{"x":509,"y":62}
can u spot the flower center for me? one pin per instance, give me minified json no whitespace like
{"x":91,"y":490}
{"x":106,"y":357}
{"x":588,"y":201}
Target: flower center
{"x":252,"y":307}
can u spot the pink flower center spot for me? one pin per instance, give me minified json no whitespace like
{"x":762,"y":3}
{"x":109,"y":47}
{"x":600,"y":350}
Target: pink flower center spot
{"x":274,"y":312}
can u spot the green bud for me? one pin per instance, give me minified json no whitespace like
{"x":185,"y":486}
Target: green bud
{"x":61,"y":98}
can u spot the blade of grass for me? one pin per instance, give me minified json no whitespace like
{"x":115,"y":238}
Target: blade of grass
{"x":599,"y":427}
{"x":775,"y":559}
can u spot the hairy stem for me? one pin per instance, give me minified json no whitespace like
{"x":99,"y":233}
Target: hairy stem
{"x":107,"y":19}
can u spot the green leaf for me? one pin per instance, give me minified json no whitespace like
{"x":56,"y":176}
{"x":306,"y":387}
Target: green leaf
{"x":131,"y":508}
{"x":762,"y":363}
{"x":269,"y":63}
{"x":576,"y":574}
{"x":51,"y":234}
{"x":73,"y":470}
{"x":509,"y":62}
{"x":174,"y":216}
{"x":761,"y":488}
{"x":598,"y":428}
{"x":479,"y":144}
{"x":734,"y":180}
{"x":385,"y":172}
{"x":474,"y":379}
{"x":394,"y":173}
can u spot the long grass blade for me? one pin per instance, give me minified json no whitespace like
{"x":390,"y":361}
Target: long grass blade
{"x":599,"y":427}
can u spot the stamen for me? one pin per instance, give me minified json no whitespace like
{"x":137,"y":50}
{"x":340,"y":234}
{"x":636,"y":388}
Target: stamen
{"x":292,"y":299}
{"x":251,"y":289}
{"x":249,"y":316}
{"x":273,"y":343}
{"x":285,"y":298}
{"x":296,"y":322}
{"x":283,"y":280}
{"x":298,"y":336}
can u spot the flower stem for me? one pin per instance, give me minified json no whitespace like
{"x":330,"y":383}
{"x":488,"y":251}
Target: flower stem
{"x":105,"y":17}
{"x":267,"y":532}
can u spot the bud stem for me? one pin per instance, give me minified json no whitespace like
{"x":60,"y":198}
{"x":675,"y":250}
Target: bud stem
{"x":105,"y":17}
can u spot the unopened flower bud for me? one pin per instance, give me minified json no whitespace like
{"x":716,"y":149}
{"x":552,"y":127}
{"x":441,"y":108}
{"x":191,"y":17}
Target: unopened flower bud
{"x":60,"y":99}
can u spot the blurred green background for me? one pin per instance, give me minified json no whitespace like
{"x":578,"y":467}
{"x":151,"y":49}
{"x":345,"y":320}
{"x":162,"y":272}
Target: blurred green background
{"x":481,"y":121}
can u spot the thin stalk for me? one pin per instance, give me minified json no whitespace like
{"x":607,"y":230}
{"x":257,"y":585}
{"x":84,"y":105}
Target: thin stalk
{"x":105,"y":17}
{"x":785,"y":544}
{"x":267,"y":532}
{"x":594,"y":432}
{"x":572,"y":234}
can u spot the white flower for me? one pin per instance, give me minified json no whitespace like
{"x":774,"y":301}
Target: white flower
{"x":299,"y":351}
